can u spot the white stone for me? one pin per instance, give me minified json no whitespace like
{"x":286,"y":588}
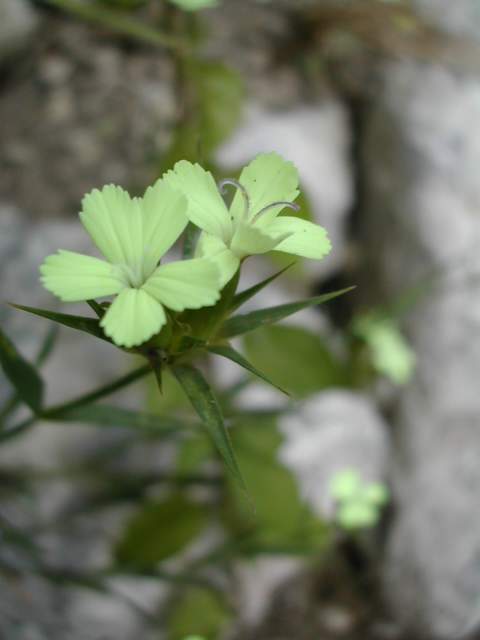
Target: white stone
{"x":333,"y":431}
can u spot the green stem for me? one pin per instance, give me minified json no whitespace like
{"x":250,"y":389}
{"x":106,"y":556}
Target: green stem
{"x":56,"y":411}
{"x":88,"y":398}
{"x":119,"y":23}
{"x":17,"y":429}
{"x":45,"y":350}
{"x":9,"y":406}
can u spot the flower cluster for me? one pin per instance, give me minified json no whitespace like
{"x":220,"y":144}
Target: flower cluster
{"x":134,"y":234}
{"x":358,"y":503}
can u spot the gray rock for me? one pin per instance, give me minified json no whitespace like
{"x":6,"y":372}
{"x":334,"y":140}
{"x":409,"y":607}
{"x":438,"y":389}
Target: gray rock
{"x":421,"y":219}
{"x":459,"y":18}
{"x":17,"y":23}
{"x":333,"y":431}
{"x":258,"y":579}
{"x":103,"y":115}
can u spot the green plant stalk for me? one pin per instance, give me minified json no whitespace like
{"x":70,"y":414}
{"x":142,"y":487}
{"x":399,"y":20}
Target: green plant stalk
{"x":119,"y":23}
{"x":88,"y":398}
{"x":55,"y":412}
{"x":45,"y":350}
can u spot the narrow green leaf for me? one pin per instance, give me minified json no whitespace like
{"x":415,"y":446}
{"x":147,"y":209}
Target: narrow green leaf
{"x":157,"y":369}
{"x":99,"y":310}
{"x":103,"y":415}
{"x":226,"y":351}
{"x":93,"y":396}
{"x":159,"y":530}
{"x":23,"y":376}
{"x":187,"y":343}
{"x":246,"y":295}
{"x":244,"y":323}
{"x":118,"y":22}
{"x":47,"y":345}
{"x":297,"y":359}
{"x":206,"y":405}
{"x":44,"y":352}
{"x":198,"y":614}
{"x":287,"y":523}
{"x":81,"y":323}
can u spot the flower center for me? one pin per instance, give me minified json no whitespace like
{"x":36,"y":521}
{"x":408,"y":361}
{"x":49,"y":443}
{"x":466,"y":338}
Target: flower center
{"x":133,"y":275}
{"x":246,"y":215}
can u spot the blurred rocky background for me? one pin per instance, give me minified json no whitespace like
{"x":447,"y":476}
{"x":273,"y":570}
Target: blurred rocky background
{"x":378,"y":104}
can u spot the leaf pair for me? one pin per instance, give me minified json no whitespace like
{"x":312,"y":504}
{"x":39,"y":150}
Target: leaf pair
{"x":196,"y":387}
{"x":24,"y":377}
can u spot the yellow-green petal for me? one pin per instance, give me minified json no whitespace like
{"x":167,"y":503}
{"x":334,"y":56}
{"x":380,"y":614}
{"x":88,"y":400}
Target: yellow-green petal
{"x":206,"y":207}
{"x":114,"y":222}
{"x":345,"y":485}
{"x":133,"y":318}
{"x":248,"y":240}
{"x":376,"y":493}
{"x":189,"y":284}
{"x":268,"y":178}
{"x":304,"y":238}
{"x":73,"y":276}
{"x":357,"y":515}
{"x":164,"y":219}
{"x":209,"y":246}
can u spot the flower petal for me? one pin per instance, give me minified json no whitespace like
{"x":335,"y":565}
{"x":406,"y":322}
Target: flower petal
{"x":206,"y":207}
{"x":164,"y":219}
{"x":304,"y":238}
{"x":188,"y":284}
{"x":132,"y":318}
{"x":268,"y":178}
{"x":114,"y":222}
{"x":209,"y":246}
{"x":73,"y":277}
{"x":248,"y":240}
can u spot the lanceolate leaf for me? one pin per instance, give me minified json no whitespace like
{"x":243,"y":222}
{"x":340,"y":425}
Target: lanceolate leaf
{"x":159,"y":530}
{"x":47,"y":345}
{"x":246,"y":295}
{"x":43,"y":354}
{"x":93,"y":396}
{"x":244,"y":323}
{"x":226,"y":351}
{"x":104,"y":415}
{"x":99,"y":310}
{"x":81,"y":323}
{"x":297,"y":359}
{"x":22,"y":374}
{"x":207,"y":407}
